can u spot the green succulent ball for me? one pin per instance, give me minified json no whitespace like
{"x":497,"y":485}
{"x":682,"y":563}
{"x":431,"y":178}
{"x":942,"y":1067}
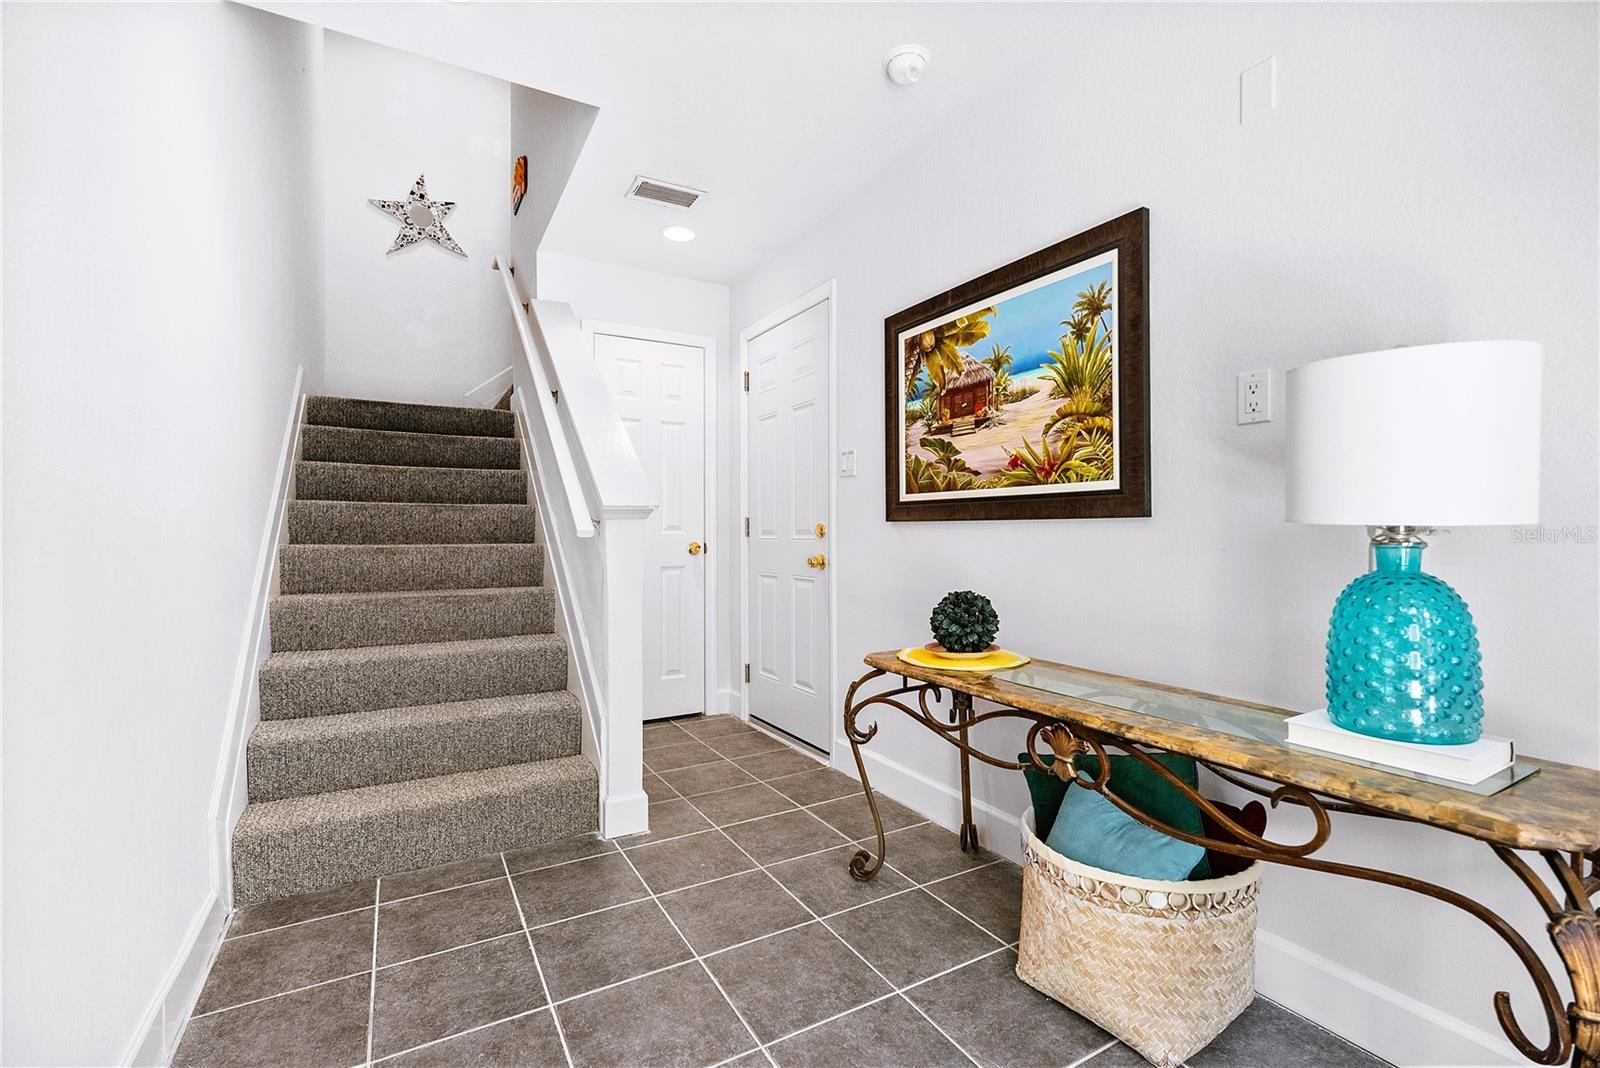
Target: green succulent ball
{"x":964,"y":622}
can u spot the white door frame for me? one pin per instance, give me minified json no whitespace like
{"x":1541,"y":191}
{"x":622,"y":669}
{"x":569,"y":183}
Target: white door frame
{"x":591,"y":327}
{"x":829,"y":292}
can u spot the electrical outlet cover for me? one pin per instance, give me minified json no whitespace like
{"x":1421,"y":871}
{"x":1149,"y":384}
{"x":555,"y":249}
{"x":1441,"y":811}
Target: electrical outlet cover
{"x":1255,"y":397}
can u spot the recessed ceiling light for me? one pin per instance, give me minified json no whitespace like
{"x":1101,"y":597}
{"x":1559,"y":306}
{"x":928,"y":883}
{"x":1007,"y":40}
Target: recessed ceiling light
{"x":677,"y":233}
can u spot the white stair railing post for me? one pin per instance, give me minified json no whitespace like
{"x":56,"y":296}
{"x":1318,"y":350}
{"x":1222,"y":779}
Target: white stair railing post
{"x":627,"y":809}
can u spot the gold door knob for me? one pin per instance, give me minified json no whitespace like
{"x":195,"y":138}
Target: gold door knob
{"x":819,"y":561}
{"x":694,"y":548}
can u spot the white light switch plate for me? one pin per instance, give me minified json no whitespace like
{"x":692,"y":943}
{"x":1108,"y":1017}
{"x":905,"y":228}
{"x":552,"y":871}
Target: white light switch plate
{"x":1255,"y":397}
{"x":847,"y":463}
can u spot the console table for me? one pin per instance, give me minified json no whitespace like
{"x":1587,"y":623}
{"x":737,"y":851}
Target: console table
{"x":1547,"y":810}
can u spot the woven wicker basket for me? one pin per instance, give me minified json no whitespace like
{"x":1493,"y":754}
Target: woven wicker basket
{"x":1162,"y":966}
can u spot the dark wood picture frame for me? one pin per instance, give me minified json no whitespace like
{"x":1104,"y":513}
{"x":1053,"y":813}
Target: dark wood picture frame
{"x":1128,"y":235}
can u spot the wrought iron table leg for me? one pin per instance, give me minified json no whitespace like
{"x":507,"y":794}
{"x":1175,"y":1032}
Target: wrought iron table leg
{"x":961,"y":710}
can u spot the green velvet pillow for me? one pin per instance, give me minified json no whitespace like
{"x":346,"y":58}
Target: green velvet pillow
{"x":1136,"y":784}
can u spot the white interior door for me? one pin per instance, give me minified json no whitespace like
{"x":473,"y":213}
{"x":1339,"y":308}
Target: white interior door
{"x":786,"y":579}
{"x":660,"y":393}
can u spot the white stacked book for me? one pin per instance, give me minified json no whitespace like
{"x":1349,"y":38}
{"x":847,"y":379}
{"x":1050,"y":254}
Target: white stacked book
{"x":1469,"y":763}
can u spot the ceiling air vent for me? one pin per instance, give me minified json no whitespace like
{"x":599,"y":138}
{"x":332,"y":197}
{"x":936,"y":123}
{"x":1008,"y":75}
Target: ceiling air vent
{"x":653,"y":189}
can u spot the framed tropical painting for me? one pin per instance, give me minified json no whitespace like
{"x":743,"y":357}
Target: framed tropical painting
{"x":1023,"y":394}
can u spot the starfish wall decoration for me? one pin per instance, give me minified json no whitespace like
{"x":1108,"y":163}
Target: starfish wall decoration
{"x":421,"y":218}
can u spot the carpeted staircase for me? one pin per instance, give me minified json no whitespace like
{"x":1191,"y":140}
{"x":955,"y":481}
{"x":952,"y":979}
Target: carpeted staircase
{"x":414,"y":709}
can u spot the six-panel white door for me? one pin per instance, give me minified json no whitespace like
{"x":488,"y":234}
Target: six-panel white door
{"x":660,"y":394}
{"x":786,"y":578}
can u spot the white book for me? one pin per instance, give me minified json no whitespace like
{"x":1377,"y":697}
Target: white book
{"x":1469,"y":762}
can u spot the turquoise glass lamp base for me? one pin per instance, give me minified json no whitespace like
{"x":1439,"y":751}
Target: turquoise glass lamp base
{"x":1403,"y":659}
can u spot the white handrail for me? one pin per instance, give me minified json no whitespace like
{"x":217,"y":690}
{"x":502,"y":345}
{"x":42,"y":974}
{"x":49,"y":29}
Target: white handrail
{"x":536,"y":364}
{"x":594,"y":502}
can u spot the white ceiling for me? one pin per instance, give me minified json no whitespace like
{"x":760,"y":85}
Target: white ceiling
{"x":776,"y":110}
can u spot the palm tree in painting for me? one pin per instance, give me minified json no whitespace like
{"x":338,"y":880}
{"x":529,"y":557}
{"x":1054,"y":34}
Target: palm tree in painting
{"x":999,"y":359}
{"x":1093,"y":302}
{"x":937,"y":350}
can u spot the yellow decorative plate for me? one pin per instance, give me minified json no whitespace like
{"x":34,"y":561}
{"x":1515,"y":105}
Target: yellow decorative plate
{"x":993,"y":660}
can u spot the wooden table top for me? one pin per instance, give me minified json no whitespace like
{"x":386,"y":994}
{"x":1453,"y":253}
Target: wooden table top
{"x":1559,"y":808}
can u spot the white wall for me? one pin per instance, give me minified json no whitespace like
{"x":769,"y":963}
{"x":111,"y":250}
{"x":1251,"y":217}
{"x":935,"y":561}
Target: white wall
{"x":163,"y":277}
{"x":1406,"y":190}
{"x":550,"y":130}
{"x":423,"y":324}
{"x":616,"y":294}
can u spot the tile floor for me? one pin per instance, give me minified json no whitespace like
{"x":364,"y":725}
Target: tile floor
{"x":731,"y":934}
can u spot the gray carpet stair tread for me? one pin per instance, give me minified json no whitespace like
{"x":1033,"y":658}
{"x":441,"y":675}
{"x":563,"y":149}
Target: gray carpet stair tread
{"x":321,"y":754}
{"x":315,"y":480}
{"x":421,"y":418}
{"x":358,"y":445}
{"x":378,"y":568}
{"x":300,"y":844}
{"x":410,"y":617}
{"x":327,"y":682}
{"x":399,"y":523}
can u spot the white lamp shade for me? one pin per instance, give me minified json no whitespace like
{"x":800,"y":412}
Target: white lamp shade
{"x":1431,"y":436}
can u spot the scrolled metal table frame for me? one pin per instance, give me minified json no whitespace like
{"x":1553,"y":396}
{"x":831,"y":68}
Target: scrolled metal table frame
{"x":1574,"y":1028}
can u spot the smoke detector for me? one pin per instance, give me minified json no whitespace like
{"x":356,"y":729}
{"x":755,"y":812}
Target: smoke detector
{"x":905,"y":63}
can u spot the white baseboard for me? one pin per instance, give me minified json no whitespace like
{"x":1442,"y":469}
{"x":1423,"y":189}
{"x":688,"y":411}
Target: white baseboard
{"x":1395,"y":1026}
{"x":491,"y":389}
{"x":156,"y":1039}
{"x":624,"y":815}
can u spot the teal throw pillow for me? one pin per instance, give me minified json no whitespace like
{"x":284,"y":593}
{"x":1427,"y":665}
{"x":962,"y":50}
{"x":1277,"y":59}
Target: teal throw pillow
{"x":1093,"y":831}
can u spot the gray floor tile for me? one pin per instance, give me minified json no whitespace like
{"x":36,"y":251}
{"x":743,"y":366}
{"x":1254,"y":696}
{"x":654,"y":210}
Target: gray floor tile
{"x":1267,"y":1035}
{"x":704,"y":778}
{"x":853,"y":819}
{"x":589,"y":952}
{"x":990,"y":897}
{"x":812,"y":787}
{"x":679,"y":755}
{"x":656,"y":790}
{"x":672,"y":1019}
{"x":747,"y":744}
{"x":558,"y":893}
{"x":443,"y":877}
{"x":686,"y":861}
{"x":445,"y":920}
{"x":1003,"y":1021}
{"x":1118,"y":1056}
{"x":741,"y":803}
{"x":887,"y":1032}
{"x":792,"y":980}
{"x":766,"y":766}
{"x":270,"y":914}
{"x":558,"y":852}
{"x":929,"y":852}
{"x":657,"y":735}
{"x":428,"y":999}
{"x":730,"y":911}
{"x":669,"y":819}
{"x":528,"y":1041}
{"x":260,"y":965}
{"x":784,"y":836}
{"x":909,"y":937}
{"x":715,"y":726}
{"x":324,"y":1025}
{"x":825,"y":884}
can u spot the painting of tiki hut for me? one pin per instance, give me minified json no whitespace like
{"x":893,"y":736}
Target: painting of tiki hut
{"x":1022,"y":394}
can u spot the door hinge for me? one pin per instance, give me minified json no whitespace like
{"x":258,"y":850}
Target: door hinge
{"x":747,"y":526}
{"x":747,"y":673}
{"x":747,"y":381}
